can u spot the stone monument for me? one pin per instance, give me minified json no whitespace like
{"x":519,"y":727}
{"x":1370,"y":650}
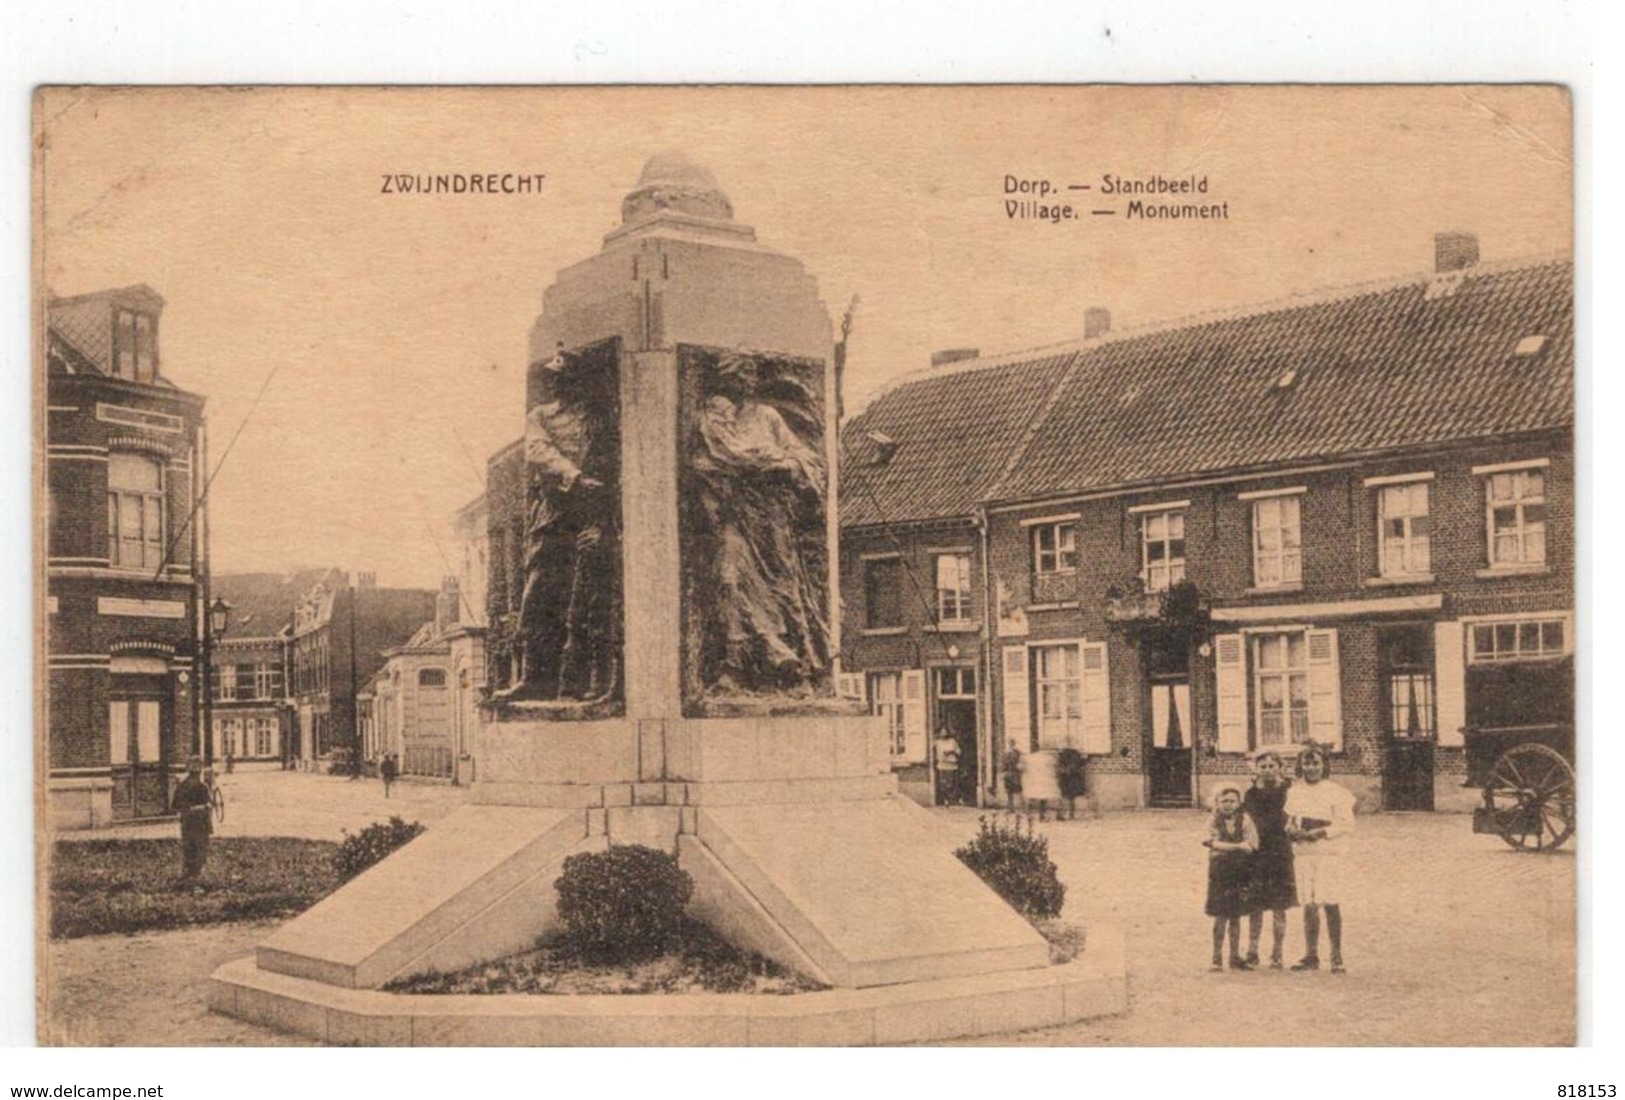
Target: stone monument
{"x":677,"y":647}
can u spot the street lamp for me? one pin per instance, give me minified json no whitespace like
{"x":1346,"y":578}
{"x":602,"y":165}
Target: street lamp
{"x":219,"y":619}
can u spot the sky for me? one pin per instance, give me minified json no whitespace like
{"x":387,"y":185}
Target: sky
{"x":388,"y":332}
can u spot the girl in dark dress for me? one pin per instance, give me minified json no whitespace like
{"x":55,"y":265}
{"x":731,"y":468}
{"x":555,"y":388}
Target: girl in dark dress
{"x":1273,"y":886}
{"x":1231,"y":841}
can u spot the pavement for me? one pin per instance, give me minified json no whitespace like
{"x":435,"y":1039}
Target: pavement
{"x":264,"y":800}
{"x":1450,"y":938}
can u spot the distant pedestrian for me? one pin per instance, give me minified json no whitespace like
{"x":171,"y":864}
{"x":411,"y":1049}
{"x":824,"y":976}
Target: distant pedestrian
{"x":1069,"y":776}
{"x":1319,"y":813}
{"x":1231,"y":841}
{"x":192,"y":802}
{"x":1040,"y":783}
{"x":1010,"y":763}
{"x":388,"y":770}
{"x":231,"y":762}
{"x":1273,"y":886}
{"x":945,"y":752}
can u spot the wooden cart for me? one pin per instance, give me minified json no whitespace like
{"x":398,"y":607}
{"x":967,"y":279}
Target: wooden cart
{"x":1529,"y":789}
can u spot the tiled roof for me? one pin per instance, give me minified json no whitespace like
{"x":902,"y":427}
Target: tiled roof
{"x":950,"y":436}
{"x":1361,"y":371}
{"x":261,"y":603}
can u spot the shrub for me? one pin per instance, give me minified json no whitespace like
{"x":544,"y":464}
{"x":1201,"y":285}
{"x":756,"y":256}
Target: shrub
{"x":1016,"y":864}
{"x":358,"y":851}
{"x":625,"y":903}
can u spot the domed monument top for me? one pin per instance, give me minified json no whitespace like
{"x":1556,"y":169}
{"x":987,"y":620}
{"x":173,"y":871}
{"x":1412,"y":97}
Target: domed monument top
{"x":675,"y":182}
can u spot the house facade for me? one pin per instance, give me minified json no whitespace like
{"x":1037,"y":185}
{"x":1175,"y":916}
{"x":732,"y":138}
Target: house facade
{"x":340,"y":633}
{"x":123,"y":445}
{"x":251,"y":714}
{"x":1348,"y":519}
{"x":423,"y":704}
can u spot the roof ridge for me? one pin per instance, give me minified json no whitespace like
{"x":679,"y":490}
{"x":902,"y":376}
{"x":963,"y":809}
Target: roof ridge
{"x":1297,"y":300}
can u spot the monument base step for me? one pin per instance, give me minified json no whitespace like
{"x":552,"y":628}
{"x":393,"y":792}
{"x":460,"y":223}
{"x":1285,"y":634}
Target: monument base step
{"x":1090,"y":986}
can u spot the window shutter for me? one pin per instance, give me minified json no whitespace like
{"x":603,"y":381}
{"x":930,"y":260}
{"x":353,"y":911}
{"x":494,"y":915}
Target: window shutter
{"x":1450,"y":681}
{"x":1017,"y":708}
{"x":118,"y":731}
{"x":914,"y":715}
{"x":1097,"y":700}
{"x":1325,"y":694}
{"x":1230,"y":672}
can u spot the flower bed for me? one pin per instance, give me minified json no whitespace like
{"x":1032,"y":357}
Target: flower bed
{"x":700,"y":961}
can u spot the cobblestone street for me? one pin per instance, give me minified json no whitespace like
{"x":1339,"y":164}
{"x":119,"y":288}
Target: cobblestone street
{"x":1451,"y":938}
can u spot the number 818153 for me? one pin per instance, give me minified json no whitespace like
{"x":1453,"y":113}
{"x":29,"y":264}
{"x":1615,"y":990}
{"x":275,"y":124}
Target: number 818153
{"x":1586,"y":1092}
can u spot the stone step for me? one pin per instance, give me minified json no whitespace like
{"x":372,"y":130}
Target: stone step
{"x":869,"y":891}
{"x":474,"y":886}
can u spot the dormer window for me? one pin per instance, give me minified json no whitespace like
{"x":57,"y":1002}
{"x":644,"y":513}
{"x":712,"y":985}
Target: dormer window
{"x":135,"y":345}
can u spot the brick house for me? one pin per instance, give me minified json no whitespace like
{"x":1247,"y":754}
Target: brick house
{"x":252,"y":715}
{"x":340,"y":632}
{"x":1349,"y":518}
{"x":121,"y":444}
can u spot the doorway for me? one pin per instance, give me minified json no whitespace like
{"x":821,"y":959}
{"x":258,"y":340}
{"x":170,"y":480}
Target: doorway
{"x":1170,"y":765}
{"x":1405,"y":671}
{"x":956,"y":713}
{"x":136,"y":748}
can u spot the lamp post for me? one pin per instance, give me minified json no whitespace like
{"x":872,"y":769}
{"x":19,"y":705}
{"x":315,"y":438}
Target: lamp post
{"x":219,"y":620}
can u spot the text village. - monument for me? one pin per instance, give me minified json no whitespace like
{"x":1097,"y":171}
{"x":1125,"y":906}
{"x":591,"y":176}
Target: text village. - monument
{"x":670,"y":686}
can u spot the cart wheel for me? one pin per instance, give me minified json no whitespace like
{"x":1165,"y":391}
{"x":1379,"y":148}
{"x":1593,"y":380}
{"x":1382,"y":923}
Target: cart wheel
{"x":1531,"y":791}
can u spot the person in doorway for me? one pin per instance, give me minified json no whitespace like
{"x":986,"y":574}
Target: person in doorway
{"x":192,"y":802}
{"x":388,"y":770}
{"x":1273,"y":887}
{"x":1319,"y":813}
{"x":1069,"y":775}
{"x":1010,"y":764}
{"x":945,"y":752}
{"x":1231,"y":841}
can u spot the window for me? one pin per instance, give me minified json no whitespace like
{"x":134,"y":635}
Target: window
{"x":883,"y":593}
{"x":1162,"y":549}
{"x":135,"y":346}
{"x":1516,"y":507}
{"x":227,"y":743}
{"x":135,"y":511}
{"x":262,"y":736}
{"x":1520,"y":640}
{"x":1057,"y":680}
{"x":1055,"y":548}
{"x":1277,"y":547}
{"x":1410,"y":705}
{"x":245,"y":681}
{"x":431,"y":677}
{"x":1281,"y":688}
{"x":1403,"y":529}
{"x":225,"y":683}
{"x":953,"y":588}
{"x":956,"y":683}
{"x":267,"y":680}
{"x":886,"y":699}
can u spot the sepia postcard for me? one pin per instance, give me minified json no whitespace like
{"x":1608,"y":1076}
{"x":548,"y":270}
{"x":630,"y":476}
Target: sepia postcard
{"x":806,"y":566}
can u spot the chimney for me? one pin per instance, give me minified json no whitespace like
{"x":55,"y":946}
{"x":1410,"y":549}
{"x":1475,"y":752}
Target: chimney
{"x":1454,"y":252}
{"x":1097,"y":322}
{"x":953,"y":355}
{"x":446,"y":605}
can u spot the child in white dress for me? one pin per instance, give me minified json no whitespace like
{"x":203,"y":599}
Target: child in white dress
{"x":1319,"y":814}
